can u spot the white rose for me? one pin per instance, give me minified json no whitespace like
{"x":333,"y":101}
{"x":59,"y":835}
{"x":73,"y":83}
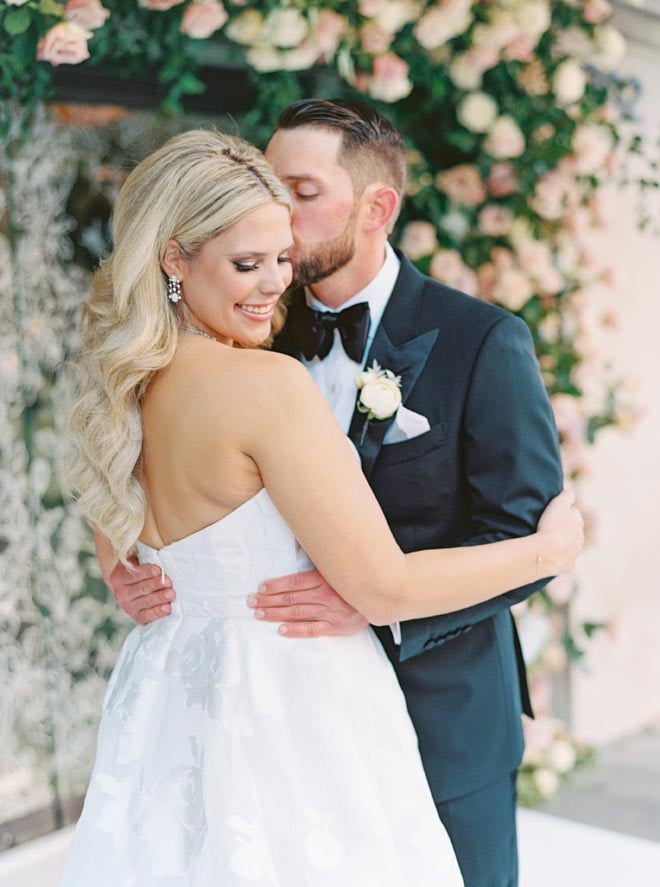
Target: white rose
{"x":562,"y":756}
{"x":533,"y":18}
{"x":300,"y":58}
{"x":367,"y":376}
{"x":286,"y":27}
{"x":16,"y":2}
{"x":547,"y":781}
{"x":441,"y":23}
{"x":264,"y":57}
{"x":610,"y":46}
{"x":246,"y":28}
{"x":477,"y":112}
{"x":505,"y":139}
{"x":382,"y":398}
{"x":569,"y":82}
{"x":463,"y":74}
{"x":394,"y":14}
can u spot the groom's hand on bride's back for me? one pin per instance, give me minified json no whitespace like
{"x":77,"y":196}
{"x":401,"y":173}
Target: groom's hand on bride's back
{"x":306,"y":606}
{"x":144,"y":595}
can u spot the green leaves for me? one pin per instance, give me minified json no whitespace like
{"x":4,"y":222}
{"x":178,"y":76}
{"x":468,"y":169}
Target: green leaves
{"x":17,"y":21}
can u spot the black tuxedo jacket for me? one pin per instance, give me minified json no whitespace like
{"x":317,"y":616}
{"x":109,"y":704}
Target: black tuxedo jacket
{"x":484,"y":471}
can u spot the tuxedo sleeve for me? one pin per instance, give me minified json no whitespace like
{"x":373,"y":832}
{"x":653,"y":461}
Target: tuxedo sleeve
{"x":512,"y":466}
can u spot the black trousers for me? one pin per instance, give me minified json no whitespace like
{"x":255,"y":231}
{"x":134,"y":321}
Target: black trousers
{"x":482,"y":828}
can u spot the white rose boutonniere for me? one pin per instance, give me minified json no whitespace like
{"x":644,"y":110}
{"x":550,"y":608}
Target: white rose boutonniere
{"x":380,"y":394}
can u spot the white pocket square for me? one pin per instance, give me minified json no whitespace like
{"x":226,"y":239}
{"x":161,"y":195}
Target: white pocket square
{"x":407,"y":424}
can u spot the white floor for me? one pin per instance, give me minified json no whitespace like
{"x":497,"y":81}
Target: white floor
{"x":553,"y":853}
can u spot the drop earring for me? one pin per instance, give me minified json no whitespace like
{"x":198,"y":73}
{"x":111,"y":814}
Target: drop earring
{"x":174,"y":293}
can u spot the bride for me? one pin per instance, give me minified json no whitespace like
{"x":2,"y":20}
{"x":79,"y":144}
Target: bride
{"x":225,"y":755}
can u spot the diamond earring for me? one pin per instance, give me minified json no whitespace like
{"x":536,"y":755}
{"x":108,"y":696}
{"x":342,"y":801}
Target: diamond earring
{"x":174,"y":293}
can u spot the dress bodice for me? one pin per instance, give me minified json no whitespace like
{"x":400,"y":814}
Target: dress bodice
{"x":214,"y":569}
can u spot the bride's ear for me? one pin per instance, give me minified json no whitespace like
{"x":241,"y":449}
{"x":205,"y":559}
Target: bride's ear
{"x":172,"y":261}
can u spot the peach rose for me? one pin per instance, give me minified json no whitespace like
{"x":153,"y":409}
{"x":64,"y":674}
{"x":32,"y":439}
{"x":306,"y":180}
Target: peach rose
{"x":462,"y":184}
{"x":502,"y":180}
{"x":443,"y":22}
{"x":505,"y":139}
{"x":418,"y":240}
{"x":448,"y":267}
{"x":158,"y":5}
{"x":389,"y":81}
{"x":89,"y":14}
{"x":373,"y":39}
{"x":64,"y":44}
{"x":202,"y":18}
{"x":495,"y":220}
{"x":246,"y":28}
{"x":513,"y":289}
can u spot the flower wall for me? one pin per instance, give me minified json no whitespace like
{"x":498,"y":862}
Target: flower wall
{"x":514,"y":119}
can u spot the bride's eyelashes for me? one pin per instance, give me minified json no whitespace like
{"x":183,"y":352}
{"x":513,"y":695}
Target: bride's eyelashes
{"x":243,"y":267}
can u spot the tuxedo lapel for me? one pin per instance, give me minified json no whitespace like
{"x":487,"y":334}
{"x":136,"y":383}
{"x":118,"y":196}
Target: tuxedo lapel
{"x":397,"y":346}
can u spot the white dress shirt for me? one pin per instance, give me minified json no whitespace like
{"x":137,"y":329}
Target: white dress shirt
{"x":335,"y":375}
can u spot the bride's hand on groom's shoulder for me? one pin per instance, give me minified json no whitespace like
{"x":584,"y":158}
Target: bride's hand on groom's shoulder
{"x":306,"y":606}
{"x":143,"y":594}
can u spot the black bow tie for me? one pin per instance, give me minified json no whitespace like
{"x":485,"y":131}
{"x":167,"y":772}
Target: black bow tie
{"x":314,"y":330}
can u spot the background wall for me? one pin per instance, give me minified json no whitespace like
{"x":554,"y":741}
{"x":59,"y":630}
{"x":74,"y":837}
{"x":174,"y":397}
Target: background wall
{"x":617,"y":690}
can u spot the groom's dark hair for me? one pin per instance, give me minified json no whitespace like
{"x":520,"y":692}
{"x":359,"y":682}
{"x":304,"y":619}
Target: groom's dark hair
{"x":371,"y":147}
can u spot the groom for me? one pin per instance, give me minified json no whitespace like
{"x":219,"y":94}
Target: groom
{"x":471,"y":457}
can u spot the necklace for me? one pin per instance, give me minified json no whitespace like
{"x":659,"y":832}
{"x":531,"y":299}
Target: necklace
{"x":196,"y":332}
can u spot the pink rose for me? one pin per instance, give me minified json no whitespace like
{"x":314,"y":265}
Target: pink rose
{"x":596,"y":11}
{"x":389,"y":81}
{"x":448,"y":267}
{"x":534,"y":255}
{"x":329,"y":29}
{"x":549,"y":199}
{"x":502,"y":258}
{"x":502,"y":180}
{"x":592,"y":145}
{"x":64,"y":44}
{"x":495,"y":220}
{"x":521,"y":48}
{"x":89,"y":14}
{"x":560,"y":589}
{"x":418,"y":240}
{"x":462,"y":184}
{"x":158,"y":5}
{"x":202,"y":18}
{"x":570,"y":420}
{"x":482,"y":58}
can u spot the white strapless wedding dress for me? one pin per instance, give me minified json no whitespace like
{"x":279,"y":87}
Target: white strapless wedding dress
{"x":230,"y":756}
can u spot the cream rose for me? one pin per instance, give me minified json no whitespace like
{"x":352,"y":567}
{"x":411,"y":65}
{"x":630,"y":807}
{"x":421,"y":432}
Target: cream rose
{"x":547,"y":781}
{"x":610,"y":46}
{"x":513,"y":289}
{"x":158,"y":5}
{"x":477,"y":112}
{"x":505,"y":139}
{"x":464,"y":74}
{"x":380,"y":398}
{"x":64,"y":44}
{"x":202,"y":18}
{"x":418,"y":240}
{"x":89,"y":14}
{"x":246,"y":28}
{"x":286,"y":27}
{"x":569,"y":82}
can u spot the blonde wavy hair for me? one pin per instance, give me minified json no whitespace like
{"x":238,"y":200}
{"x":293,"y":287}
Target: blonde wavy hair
{"x":193,"y":188}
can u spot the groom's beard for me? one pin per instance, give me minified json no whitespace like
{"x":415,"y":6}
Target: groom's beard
{"x":324,"y":259}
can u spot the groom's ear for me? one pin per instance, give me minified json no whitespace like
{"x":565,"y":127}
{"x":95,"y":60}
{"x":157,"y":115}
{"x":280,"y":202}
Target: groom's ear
{"x":172,"y":261}
{"x":382,"y":207}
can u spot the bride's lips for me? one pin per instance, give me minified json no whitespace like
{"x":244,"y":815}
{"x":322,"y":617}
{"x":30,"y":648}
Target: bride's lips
{"x":257,"y":313}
